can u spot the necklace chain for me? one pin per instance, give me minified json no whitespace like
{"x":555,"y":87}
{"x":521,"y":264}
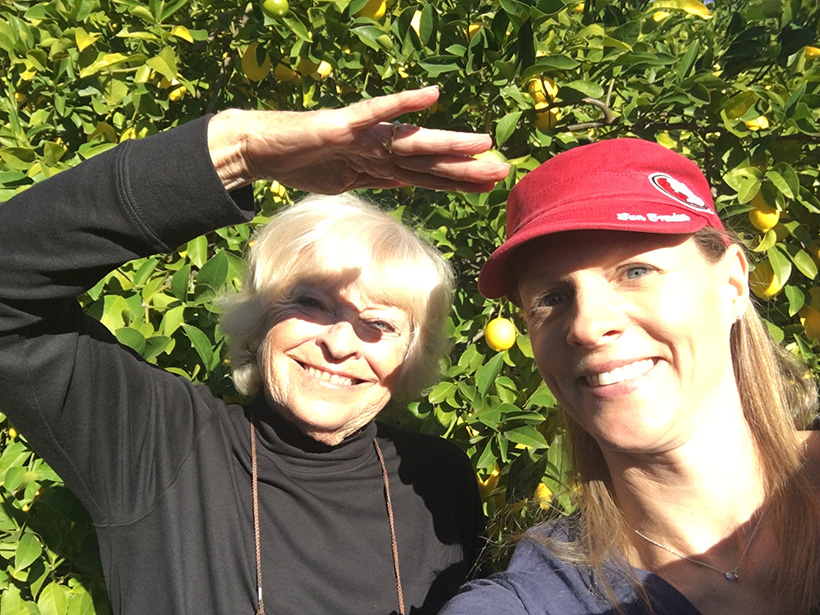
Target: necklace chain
{"x":260,"y":608}
{"x":730,"y":575}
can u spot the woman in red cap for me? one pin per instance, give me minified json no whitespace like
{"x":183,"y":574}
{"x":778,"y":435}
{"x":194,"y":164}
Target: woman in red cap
{"x":697,"y":491}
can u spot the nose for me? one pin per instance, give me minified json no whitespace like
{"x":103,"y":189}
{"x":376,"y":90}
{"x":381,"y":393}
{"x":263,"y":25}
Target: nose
{"x":598,"y":316}
{"x":340,"y":340}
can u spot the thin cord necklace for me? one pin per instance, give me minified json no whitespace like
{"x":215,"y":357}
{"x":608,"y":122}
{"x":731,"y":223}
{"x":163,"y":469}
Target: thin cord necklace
{"x":260,"y":608}
{"x":730,"y":575}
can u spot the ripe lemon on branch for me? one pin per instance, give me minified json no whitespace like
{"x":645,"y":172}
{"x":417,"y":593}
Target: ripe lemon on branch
{"x":500,"y":334}
{"x":763,"y":217}
{"x":252,"y":67}
{"x":374,"y":9}
{"x":762,"y":281}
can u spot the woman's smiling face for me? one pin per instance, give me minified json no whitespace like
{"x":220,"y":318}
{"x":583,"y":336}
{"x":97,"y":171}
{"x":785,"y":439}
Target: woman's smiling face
{"x":331,"y":359}
{"x":631,"y":331}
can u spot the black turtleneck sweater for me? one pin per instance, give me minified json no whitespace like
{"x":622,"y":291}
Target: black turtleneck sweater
{"x":163,"y":466}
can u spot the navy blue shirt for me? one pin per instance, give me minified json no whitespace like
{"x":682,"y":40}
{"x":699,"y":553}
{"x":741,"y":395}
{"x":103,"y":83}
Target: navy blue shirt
{"x":538,"y":583}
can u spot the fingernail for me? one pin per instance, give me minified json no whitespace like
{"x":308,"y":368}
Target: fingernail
{"x":431,"y":87}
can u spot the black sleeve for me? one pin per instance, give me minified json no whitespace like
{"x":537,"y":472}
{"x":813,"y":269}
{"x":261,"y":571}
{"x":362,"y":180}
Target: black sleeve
{"x":112,"y":426}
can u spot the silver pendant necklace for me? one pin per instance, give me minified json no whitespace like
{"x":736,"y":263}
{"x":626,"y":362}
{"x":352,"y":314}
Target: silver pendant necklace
{"x":730,"y":575}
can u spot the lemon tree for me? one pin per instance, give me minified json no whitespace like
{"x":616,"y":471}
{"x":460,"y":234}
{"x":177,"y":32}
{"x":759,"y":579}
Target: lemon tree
{"x":734,"y":85}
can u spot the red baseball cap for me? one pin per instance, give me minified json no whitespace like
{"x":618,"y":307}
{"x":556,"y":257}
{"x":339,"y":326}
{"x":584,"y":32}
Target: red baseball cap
{"x":619,"y":184}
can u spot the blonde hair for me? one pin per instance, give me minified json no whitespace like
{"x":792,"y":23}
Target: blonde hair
{"x":777,"y":397}
{"x":343,"y":238}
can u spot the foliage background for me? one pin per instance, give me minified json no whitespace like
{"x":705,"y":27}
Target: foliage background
{"x":78,"y":76}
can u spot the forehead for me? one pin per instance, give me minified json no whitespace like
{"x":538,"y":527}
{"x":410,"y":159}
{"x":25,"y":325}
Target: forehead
{"x":561,"y":254}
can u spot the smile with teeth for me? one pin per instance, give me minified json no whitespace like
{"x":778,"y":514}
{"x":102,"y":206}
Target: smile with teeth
{"x":619,"y":374}
{"x":330,"y":378}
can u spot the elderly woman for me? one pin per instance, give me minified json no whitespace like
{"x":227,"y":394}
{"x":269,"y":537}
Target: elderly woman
{"x":297,"y":501}
{"x":697,"y":492}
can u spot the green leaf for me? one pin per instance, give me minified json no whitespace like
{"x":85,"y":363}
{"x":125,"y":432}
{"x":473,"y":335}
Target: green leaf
{"x":11,"y":602}
{"x":542,"y":398}
{"x":201,"y":344}
{"x":785,"y":179}
{"x":781,"y":265}
{"x":214,"y":273}
{"x":505,"y":127}
{"x":53,"y":600}
{"x":27,"y":552}
{"x":198,"y":250}
{"x":795,"y":297}
{"x":804,"y":263}
{"x":527,"y":436}
{"x":297,"y":27}
{"x":145,"y":271}
{"x":131,"y":338}
{"x":737,"y":106}
{"x":441,"y":392}
{"x":165,"y":63}
{"x":180,"y":282}
{"x":487,"y":373}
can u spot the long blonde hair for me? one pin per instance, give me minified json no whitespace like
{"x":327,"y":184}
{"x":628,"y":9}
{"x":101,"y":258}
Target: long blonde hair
{"x":778,"y":396}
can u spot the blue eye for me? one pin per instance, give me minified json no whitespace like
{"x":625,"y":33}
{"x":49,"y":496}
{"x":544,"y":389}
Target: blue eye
{"x":637,"y":272}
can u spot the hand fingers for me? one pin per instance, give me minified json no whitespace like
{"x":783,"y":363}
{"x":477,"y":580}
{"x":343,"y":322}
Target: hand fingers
{"x":384,"y":108}
{"x":457,"y":168}
{"x":411,"y":140}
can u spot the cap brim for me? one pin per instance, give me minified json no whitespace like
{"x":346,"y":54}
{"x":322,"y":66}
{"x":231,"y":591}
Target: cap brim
{"x":497,"y":278}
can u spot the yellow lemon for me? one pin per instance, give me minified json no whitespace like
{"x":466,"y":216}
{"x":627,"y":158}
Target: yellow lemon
{"x":543,"y":495}
{"x":763,"y":216}
{"x":811,"y":52}
{"x":177,"y":93}
{"x":306,"y":66}
{"x":12,"y":433}
{"x":500,"y":334}
{"x":322,"y":71}
{"x":278,"y":189}
{"x":285,"y":74}
{"x":780,"y":231}
{"x":759,"y":123}
{"x":546,"y":117}
{"x":542,"y":89}
{"x":810,"y":319}
{"x":252,"y":68}
{"x":762,"y":281}
{"x":491,"y":155}
{"x":489,"y":484}
{"x":472,"y":29}
{"x":374,"y":9}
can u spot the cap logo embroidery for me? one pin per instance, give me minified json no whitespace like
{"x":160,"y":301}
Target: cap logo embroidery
{"x":678,"y":191}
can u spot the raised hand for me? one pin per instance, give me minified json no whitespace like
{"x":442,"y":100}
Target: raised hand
{"x":334,"y":150}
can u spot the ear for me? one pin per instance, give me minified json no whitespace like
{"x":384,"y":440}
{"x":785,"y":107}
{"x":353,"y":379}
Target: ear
{"x":736,"y":269}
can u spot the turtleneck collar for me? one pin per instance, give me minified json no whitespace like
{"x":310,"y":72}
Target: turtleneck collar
{"x":291,"y":448}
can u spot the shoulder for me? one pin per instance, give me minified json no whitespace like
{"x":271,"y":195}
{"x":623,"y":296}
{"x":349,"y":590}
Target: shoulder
{"x":535,"y":582}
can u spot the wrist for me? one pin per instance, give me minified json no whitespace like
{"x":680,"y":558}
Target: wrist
{"x":226,"y":144}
